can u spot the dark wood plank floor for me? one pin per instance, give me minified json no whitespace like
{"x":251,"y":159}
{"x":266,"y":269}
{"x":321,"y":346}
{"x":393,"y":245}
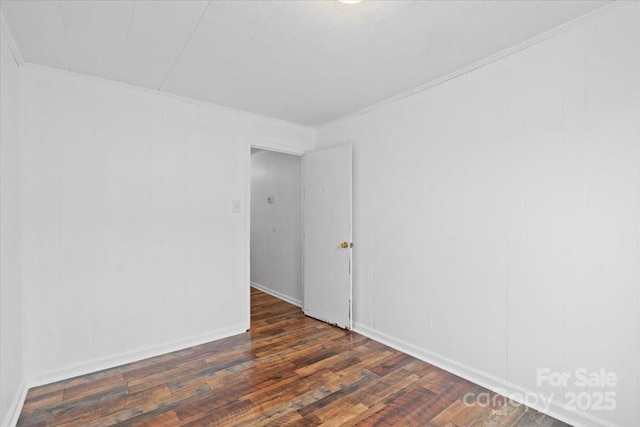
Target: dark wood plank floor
{"x":288,"y":370}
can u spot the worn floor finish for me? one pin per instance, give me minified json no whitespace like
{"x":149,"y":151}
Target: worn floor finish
{"x":289,"y":370}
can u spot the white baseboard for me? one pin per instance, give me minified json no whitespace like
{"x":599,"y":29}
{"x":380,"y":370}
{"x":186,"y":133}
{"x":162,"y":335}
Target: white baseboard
{"x":577,"y":419}
{"x":11,"y":419}
{"x":96,"y":365}
{"x":277,"y":294}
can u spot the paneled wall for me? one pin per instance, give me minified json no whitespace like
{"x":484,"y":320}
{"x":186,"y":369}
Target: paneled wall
{"x":130,"y":242}
{"x":11,"y":331}
{"x":496,"y":216}
{"x":276,"y":229}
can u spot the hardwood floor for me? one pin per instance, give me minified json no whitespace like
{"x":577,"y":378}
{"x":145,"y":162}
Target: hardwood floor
{"x":288,"y":370}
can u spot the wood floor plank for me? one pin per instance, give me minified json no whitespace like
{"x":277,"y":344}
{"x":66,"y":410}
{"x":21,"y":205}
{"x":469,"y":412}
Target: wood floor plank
{"x":115,"y":410}
{"x":287,"y":412}
{"x":169,"y":404}
{"x":287,"y":370}
{"x":43,"y":400}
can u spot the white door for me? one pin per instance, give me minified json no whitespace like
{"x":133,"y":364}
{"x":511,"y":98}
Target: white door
{"x":327,"y":235}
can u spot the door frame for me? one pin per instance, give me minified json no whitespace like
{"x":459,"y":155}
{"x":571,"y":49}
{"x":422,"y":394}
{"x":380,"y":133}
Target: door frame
{"x":278,"y":148}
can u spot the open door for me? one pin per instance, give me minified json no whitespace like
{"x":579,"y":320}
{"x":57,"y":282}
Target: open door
{"x":327,"y":235}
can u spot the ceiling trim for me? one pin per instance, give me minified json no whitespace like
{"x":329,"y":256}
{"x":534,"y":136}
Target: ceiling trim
{"x":265,"y":144}
{"x":184,"y":99}
{"x":486,"y":61}
{"x":11,"y":43}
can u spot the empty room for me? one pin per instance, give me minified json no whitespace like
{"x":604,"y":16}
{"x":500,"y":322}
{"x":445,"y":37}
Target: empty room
{"x":320,"y":212}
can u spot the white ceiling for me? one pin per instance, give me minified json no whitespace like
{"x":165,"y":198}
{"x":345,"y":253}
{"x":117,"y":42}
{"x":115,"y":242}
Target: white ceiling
{"x":307,"y":62}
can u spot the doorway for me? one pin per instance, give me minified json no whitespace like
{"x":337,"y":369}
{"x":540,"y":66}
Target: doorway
{"x":275,"y":241}
{"x":302,"y":254}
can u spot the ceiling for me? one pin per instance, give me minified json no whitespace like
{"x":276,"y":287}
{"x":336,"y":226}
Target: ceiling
{"x":308,"y":62}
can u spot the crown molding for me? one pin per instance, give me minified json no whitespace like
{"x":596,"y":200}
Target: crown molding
{"x":581,"y":20}
{"x":192,"y":101}
{"x":11,"y":43}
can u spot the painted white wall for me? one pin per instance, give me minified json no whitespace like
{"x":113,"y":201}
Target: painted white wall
{"x":11,"y":331}
{"x":130,"y":245}
{"x":496,"y":215}
{"x":276,"y":228}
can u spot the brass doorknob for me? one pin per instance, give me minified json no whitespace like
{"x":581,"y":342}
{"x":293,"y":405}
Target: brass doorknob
{"x":344,"y":245}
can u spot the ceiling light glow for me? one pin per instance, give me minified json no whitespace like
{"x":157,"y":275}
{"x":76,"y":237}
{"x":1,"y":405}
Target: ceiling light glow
{"x":349,"y":1}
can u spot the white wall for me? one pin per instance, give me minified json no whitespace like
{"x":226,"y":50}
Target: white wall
{"x":130,"y":246}
{"x":11,"y":331}
{"x":496,"y":215}
{"x":276,"y":229}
